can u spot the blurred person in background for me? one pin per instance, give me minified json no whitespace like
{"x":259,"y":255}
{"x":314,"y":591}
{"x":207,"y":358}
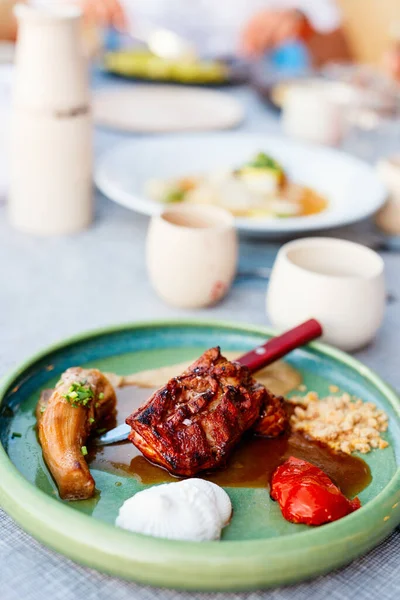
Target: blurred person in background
{"x":372,"y":29}
{"x":332,"y":30}
{"x":8,"y":24}
{"x":249,"y":28}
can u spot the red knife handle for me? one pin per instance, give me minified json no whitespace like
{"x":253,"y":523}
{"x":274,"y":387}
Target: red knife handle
{"x":281,"y":345}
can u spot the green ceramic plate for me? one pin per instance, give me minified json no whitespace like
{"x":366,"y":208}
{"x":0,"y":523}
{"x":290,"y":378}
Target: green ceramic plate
{"x":259,"y":548}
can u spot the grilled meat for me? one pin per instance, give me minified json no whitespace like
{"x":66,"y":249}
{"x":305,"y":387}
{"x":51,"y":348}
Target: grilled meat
{"x":66,"y":417}
{"x":273,"y":419}
{"x":194,"y":421}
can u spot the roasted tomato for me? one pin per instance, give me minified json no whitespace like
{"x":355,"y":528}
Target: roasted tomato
{"x":307,"y":495}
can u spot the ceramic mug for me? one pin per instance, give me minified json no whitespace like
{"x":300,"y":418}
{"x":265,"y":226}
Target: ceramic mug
{"x":388,"y":218}
{"x":338,"y":282}
{"x":311,"y":114}
{"x":192,"y":254}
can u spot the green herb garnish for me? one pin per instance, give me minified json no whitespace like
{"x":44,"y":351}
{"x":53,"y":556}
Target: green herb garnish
{"x":15,"y":434}
{"x":100,"y":431}
{"x":263,"y":161}
{"x":91,"y":420}
{"x":101,"y":396}
{"x":84,"y":450}
{"x":79,"y":395}
{"x":175,"y":195}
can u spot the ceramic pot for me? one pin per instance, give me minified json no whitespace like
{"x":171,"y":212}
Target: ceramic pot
{"x":388,"y":218}
{"x":310,"y":114}
{"x":192,"y":255}
{"x":51,"y":126}
{"x":340,"y":283}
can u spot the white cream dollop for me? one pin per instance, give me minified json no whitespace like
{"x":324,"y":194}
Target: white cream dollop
{"x":192,"y":510}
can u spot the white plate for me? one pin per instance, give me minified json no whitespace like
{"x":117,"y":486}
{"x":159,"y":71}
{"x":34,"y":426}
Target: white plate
{"x":163,"y":108}
{"x":353,"y":190}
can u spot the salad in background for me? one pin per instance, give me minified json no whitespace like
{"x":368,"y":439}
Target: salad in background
{"x":257,"y":189}
{"x":142,"y":64}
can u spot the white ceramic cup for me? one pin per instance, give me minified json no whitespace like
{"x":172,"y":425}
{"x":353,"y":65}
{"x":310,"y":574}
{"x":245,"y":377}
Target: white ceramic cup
{"x":310,"y":114}
{"x":388,"y":218}
{"x":338,"y":282}
{"x":192,"y":254}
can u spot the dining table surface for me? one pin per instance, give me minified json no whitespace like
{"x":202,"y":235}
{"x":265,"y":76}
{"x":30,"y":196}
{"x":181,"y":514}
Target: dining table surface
{"x":55,"y":287}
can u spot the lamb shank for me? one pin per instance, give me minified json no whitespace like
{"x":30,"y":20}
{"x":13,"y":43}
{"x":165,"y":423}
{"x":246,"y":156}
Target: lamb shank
{"x":193,"y":423}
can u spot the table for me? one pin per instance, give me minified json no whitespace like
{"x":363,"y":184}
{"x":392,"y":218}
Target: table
{"x":37,"y":308}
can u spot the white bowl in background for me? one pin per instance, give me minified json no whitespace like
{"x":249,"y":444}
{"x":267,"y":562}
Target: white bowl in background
{"x":351,"y":186}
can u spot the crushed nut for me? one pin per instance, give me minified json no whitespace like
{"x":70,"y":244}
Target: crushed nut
{"x":344,"y":423}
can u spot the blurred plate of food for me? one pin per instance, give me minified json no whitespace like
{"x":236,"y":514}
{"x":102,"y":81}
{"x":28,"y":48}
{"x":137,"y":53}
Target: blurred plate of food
{"x":271,"y":184}
{"x":165,"y":108}
{"x":141,"y":64}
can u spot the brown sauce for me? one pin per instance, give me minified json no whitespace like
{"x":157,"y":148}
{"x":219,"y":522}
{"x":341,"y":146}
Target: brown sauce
{"x":250,"y":465}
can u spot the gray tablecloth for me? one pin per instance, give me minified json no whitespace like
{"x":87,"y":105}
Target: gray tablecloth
{"x":36,"y":309}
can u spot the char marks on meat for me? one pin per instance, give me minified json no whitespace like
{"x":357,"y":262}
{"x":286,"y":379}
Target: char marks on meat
{"x":194,"y":421}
